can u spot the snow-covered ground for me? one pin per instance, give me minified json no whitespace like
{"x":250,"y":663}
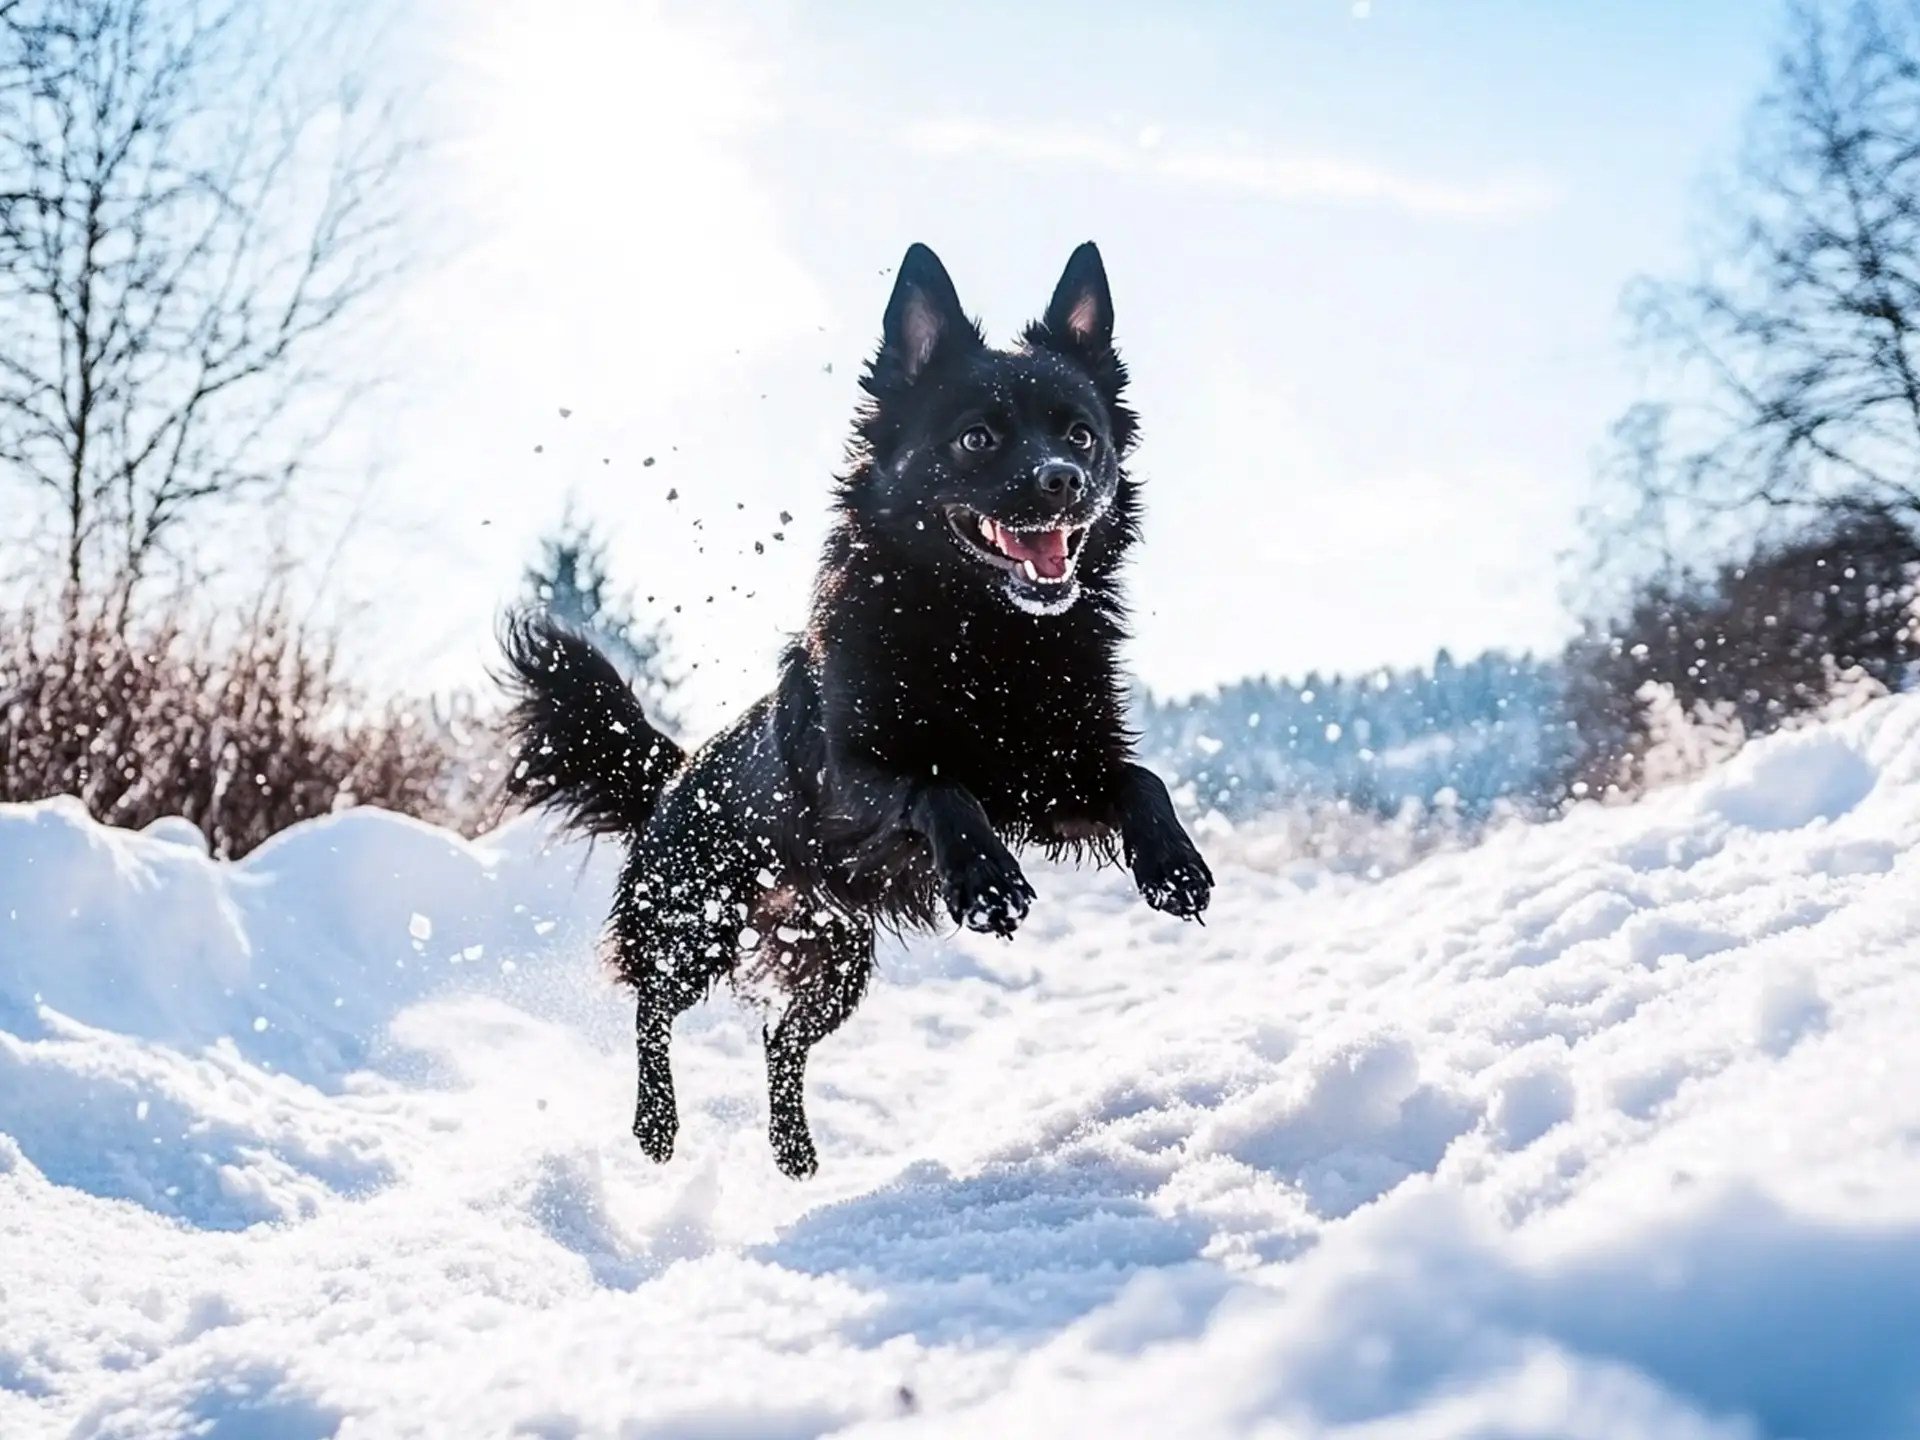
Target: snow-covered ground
{"x":1608,"y":1128}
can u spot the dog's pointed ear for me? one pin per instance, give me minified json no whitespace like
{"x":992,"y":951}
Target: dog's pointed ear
{"x":1081,"y":312}
{"x":923,"y":316}
{"x":1079,"y":325}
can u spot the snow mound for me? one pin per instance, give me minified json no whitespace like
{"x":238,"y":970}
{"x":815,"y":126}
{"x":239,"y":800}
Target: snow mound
{"x":296,"y":955}
{"x":1607,"y":1128}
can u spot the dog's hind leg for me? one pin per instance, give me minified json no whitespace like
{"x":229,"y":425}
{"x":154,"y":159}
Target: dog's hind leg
{"x":656,"y":1117}
{"x":664,"y":984}
{"x":825,"y":973}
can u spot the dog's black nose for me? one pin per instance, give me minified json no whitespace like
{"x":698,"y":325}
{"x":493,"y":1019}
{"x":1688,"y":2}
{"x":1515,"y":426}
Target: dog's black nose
{"x":1060,"y":481}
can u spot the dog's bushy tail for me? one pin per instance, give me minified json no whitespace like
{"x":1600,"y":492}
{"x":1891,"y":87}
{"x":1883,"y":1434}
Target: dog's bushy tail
{"x":582,"y":745}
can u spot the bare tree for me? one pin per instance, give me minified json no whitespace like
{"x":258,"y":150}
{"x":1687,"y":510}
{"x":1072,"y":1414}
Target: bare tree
{"x":1798,"y":390}
{"x":190,"y":204}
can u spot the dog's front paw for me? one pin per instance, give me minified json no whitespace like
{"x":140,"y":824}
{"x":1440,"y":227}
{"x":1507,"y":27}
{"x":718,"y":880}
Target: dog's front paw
{"x":985,"y":891}
{"x":1174,"y":878}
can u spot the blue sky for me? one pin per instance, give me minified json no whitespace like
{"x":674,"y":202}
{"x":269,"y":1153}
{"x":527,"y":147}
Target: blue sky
{"x":1367,"y":263}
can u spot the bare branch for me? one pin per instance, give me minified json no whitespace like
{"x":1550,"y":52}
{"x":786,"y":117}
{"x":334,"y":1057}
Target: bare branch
{"x":1798,"y":351}
{"x":190,"y":211}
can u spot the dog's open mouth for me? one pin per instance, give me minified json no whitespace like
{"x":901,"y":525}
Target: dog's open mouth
{"x":1043,"y":557}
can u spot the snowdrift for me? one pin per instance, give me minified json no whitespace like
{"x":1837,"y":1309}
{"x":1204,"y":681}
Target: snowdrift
{"x":1606,"y":1128}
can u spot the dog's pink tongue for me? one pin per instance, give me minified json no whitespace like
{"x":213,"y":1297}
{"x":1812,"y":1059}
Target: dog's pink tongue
{"x":1045,"y":550}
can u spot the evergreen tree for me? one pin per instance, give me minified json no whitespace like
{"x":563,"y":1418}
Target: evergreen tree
{"x":570,"y":582}
{"x":1469,"y":734}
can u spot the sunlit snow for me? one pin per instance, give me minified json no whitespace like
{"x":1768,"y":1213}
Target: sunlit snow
{"x":1605,"y":1128}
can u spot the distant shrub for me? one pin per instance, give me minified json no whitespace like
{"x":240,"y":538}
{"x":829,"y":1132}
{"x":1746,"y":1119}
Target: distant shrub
{"x":243,"y":729}
{"x":1698,"y":664}
{"x":1347,"y":769}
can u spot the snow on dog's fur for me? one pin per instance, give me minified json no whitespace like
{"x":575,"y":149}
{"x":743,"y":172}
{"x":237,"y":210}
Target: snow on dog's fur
{"x":956,"y":690}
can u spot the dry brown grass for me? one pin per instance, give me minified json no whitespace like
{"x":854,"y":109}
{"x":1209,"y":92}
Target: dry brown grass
{"x":243,"y":729}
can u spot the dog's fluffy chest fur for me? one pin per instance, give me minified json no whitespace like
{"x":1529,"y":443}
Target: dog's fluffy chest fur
{"x":1024,"y":712}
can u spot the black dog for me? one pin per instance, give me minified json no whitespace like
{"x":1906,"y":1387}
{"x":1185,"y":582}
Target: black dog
{"x":956,"y":690}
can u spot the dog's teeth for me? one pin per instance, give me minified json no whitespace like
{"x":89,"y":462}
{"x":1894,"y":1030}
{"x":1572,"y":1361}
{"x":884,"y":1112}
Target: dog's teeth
{"x":1027,"y":565}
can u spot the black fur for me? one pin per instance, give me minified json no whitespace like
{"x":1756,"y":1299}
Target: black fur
{"x":585,"y":747}
{"x":943,"y":703}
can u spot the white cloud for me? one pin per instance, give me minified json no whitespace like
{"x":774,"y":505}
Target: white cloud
{"x":1153,"y":157}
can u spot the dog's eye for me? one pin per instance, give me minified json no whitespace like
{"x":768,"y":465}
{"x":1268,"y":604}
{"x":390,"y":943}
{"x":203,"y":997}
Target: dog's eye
{"x":977,"y":439}
{"x":1080,"y":436}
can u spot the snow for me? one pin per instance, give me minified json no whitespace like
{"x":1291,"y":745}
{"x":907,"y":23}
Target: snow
{"x":1606,"y":1128}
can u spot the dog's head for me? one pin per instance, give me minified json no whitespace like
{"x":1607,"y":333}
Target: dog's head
{"x":1003,"y":467}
